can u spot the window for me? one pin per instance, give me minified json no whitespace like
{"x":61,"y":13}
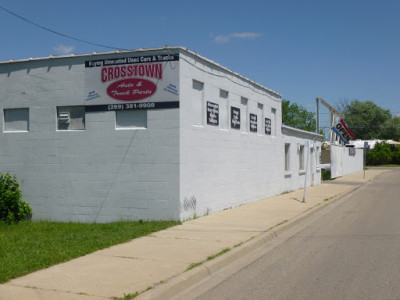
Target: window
{"x":245,"y":114}
{"x":301,"y":157}
{"x":260,"y":113}
{"x":352,"y":151}
{"x":197,"y":102}
{"x":16,"y":120}
{"x":273,"y":122}
{"x":223,"y":94}
{"x":224,"y":109}
{"x":287,"y":157}
{"x":131,"y":119}
{"x":71,"y":118}
{"x":197,"y":85}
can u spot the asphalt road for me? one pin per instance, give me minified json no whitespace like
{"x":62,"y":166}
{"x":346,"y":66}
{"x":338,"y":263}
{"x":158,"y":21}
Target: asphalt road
{"x":351,"y":250}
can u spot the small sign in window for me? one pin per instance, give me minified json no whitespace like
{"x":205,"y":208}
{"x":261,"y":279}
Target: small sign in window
{"x":268,"y":126}
{"x":253,"y":123}
{"x":212,"y":113}
{"x":235,"y":117}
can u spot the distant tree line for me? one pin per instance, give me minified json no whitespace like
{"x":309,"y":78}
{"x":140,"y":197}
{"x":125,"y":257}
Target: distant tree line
{"x":368,"y":121}
{"x":297,"y":116}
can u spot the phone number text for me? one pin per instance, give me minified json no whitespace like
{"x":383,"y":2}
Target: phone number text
{"x":128,"y":106}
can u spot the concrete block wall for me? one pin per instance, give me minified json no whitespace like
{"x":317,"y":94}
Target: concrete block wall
{"x":295,"y":176}
{"x":98,"y":174}
{"x":222,"y":167}
{"x":342,"y":163}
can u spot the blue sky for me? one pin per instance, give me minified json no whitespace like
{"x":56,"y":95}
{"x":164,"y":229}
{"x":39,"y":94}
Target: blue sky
{"x":339,"y":50}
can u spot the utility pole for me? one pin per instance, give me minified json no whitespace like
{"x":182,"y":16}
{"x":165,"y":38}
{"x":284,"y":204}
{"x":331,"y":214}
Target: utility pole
{"x":306,"y":175}
{"x":333,"y":115}
{"x":317,"y":113}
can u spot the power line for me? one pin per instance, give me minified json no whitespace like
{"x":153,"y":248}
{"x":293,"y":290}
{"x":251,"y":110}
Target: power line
{"x":59,"y":33}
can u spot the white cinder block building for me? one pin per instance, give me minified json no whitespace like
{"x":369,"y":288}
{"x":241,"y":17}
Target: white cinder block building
{"x":147,"y":134}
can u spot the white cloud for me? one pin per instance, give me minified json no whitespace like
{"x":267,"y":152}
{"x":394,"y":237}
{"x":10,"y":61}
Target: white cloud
{"x":237,"y":35}
{"x":62,"y":49}
{"x":222,"y":38}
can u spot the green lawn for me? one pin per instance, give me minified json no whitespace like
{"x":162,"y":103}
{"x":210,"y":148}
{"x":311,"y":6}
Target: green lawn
{"x":30,"y":246}
{"x":383,"y":166}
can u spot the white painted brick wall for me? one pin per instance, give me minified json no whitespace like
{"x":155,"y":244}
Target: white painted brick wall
{"x":342,"y":163}
{"x":223,"y":167}
{"x":294,"y":178}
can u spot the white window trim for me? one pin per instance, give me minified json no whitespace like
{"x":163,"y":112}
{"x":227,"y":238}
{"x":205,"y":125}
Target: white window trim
{"x":70,"y":130}
{"x":15,"y":131}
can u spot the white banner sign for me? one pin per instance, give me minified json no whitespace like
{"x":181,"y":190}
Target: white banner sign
{"x":140,"y":82}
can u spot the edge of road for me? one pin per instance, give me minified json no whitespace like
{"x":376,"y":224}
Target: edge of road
{"x":188,"y":279}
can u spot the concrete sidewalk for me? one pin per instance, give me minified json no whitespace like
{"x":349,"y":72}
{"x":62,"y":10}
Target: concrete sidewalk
{"x":159,"y":261}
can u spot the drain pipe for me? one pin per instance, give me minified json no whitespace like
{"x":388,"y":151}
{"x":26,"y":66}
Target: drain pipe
{"x":306,"y":175}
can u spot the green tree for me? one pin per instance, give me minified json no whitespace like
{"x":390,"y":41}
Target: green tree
{"x":297,"y":116}
{"x":390,"y":130}
{"x":366,"y":119}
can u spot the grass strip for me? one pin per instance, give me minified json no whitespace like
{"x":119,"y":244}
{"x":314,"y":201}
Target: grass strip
{"x":384,"y":166}
{"x":30,"y":246}
{"x":194,"y":265}
{"x":218,"y":254}
{"x":132,"y":296}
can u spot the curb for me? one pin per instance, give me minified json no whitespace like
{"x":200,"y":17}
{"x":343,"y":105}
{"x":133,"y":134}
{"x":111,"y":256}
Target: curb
{"x":185,"y":280}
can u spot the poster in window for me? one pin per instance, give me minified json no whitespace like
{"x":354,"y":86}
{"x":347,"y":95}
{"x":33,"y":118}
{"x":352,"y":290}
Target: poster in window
{"x":253,"y":123}
{"x":235,"y":117}
{"x":267,"y":126}
{"x":212,"y":113}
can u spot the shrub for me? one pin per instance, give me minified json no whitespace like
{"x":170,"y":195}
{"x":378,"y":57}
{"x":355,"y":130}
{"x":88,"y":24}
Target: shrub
{"x":396,"y":156}
{"x":12,"y":208}
{"x":326,"y":175}
{"x":383,"y":154}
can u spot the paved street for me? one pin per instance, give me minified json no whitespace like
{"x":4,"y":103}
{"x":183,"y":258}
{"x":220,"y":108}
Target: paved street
{"x":351,"y":250}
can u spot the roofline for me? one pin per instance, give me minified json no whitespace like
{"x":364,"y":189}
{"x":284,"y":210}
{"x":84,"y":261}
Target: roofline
{"x":179,"y":48}
{"x":230,"y":71}
{"x":95,"y":53}
{"x":292,"y":129}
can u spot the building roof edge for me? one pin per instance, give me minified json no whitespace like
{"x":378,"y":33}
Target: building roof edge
{"x":295,"y":130}
{"x":178,"y":48}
